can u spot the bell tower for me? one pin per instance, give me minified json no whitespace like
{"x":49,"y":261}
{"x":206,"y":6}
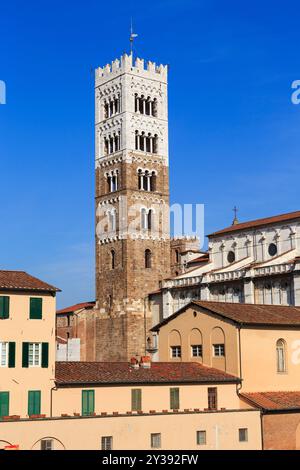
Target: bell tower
{"x":132,"y":202}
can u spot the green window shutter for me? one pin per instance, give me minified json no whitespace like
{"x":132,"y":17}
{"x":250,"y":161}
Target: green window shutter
{"x":25,"y":354}
{"x":136,"y":399}
{"x":36,"y":308}
{"x":45,"y":355}
{"x":4,"y":404}
{"x":88,"y":402}
{"x":34,"y":402}
{"x":4,"y":307}
{"x":174,"y":398}
{"x":11,"y":354}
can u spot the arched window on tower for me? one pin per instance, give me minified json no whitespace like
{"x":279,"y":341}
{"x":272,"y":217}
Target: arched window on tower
{"x":281,"y":355}
{"x":146,"y":143}
{"x":112,"y":259}
{"x":148,"y":259}
{"x":144,"y":219}
{"x":146,"y":180}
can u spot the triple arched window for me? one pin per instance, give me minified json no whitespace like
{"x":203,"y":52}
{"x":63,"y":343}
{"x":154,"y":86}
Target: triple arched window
{"x":147,"y":180}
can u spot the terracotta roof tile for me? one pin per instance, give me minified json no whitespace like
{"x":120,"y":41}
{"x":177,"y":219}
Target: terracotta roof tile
{"x":103,"y":373}
{"x":74,"y":308}
{"x":20,"y":280}
{"x":257,"y":223}
{"x":273,"y":400}
{"x":247,"y":314}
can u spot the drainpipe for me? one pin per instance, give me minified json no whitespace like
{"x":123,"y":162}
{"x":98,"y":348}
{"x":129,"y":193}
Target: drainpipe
{"x":51,"y":399}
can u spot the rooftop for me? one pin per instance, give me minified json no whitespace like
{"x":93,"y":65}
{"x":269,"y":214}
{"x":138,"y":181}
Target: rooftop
{"x":245,"y":314}
{"x":273,"y":400}
{"x":257,"y":223}
{"x":105,"y":373}
{"x":20,"y":280}
{"x":74,"y":308}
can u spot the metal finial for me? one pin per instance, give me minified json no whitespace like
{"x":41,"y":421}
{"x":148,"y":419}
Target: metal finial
{"x":235,"y":220}
{"x":132,"y":37}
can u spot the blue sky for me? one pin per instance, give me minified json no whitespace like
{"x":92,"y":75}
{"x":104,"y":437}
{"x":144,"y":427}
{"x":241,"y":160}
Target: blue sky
{"x":234,"y":133}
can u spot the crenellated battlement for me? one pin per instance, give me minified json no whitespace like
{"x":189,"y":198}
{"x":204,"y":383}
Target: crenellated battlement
{"x":126,"y":65}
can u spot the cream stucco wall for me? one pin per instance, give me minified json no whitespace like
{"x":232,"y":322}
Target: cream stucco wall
{"x":155,"y":397}
{"x":210,"y":328}
{"x":19,"y":328}
{"x":178,"y":431}
{"x":259,"y":366}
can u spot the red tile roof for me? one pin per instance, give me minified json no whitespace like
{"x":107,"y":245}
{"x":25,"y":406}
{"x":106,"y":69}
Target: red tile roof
{"x":273,"y":400}
{"x":246,"y":314}
{"x":76,"y":307}
{"x":200,"y":259}
{"x":257,"y":223}
{"x":104,"y":373}
{"x":20,"y":280}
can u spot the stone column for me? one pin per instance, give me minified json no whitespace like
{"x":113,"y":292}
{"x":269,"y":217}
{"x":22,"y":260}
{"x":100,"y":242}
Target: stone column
{"x":296,"y":289}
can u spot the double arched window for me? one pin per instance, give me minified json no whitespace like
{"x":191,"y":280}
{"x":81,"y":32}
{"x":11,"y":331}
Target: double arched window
{"x":146,"y":219}
{"x":281,"y":355}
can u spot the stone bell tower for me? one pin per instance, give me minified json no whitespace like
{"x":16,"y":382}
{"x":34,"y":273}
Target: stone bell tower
{"x":132,"y":202}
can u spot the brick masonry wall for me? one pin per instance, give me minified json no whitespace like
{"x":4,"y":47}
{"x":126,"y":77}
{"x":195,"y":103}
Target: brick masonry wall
{"x":281,"y":431}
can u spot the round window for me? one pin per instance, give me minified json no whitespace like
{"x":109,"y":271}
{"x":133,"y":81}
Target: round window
{"x":272,"y":249}
{"x":231,"y":257}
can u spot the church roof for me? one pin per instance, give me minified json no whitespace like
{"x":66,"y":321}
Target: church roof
{"x":74,"y":308}
{"x":112,"y":373}
{"x":272,"y":401}
{"x":20,"y":280}
{"x":245,"y":314}
{"x":257,"y":223}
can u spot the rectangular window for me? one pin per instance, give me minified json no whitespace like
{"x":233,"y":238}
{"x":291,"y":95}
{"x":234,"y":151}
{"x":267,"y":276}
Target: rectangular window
{"x":4,"y":307}
{"x":34,"y":402}
{"x":47,"y":444}
{"x":201,"y":438}
{"x":174,"y":398}
{"x":212,"y":393}
{"x":219,"y":350}
{"x":34,"y":354}
{"x":196,"y":350}
{"x":243,"y":434}
{"x":3,"y":354}
{"x":4,"y":404}
{"x":136,"y":399}
{"x":175,"y":351}
{"x":156,"y":440}
{"x":106,"y":442}
{"x":88,"y":402}
{"x":36,"y":308}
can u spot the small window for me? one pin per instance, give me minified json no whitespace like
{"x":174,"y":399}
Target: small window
{"x":113,"y":259}
{"x":175,"y":351}
{"x":174,"y":398}
{"x":34,"y":402}
{"x":201,"y":438}
{"x":196,"y":350}
{"x":106,"y":443}
{"x":281,"y":356}
{"x":156,"y":440}
{"x":47,"y":444}
{"x":219,"y":350}
{"x":148,"y":259}
{"x":88,"y":402}
{"x":212,"y":395}
{"x":36,"y":308}
{"x":231,"y":257}
{"x":34,"y":354}
{"x":3,"y":354}
{"x":243,"y":435}
{"x":272,"y":249}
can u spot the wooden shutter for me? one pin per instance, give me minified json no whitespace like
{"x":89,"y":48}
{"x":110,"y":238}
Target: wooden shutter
{"x":25,"y":354}
{"x":174,"y":398}
{"x":11,"y":354}
{"x":136,"y":399}
{"x":36,"y":308}
{"x":45,"y":355}
{"x":4,"y":404}
{"x":91,"y":401}
{"x":88,"y":402}
{"x":4,"y":307}
{"x":34,"y":402}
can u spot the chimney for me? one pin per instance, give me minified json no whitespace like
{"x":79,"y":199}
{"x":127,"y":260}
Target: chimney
{"x":145,"y":362}
{"x":134,"y":363}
